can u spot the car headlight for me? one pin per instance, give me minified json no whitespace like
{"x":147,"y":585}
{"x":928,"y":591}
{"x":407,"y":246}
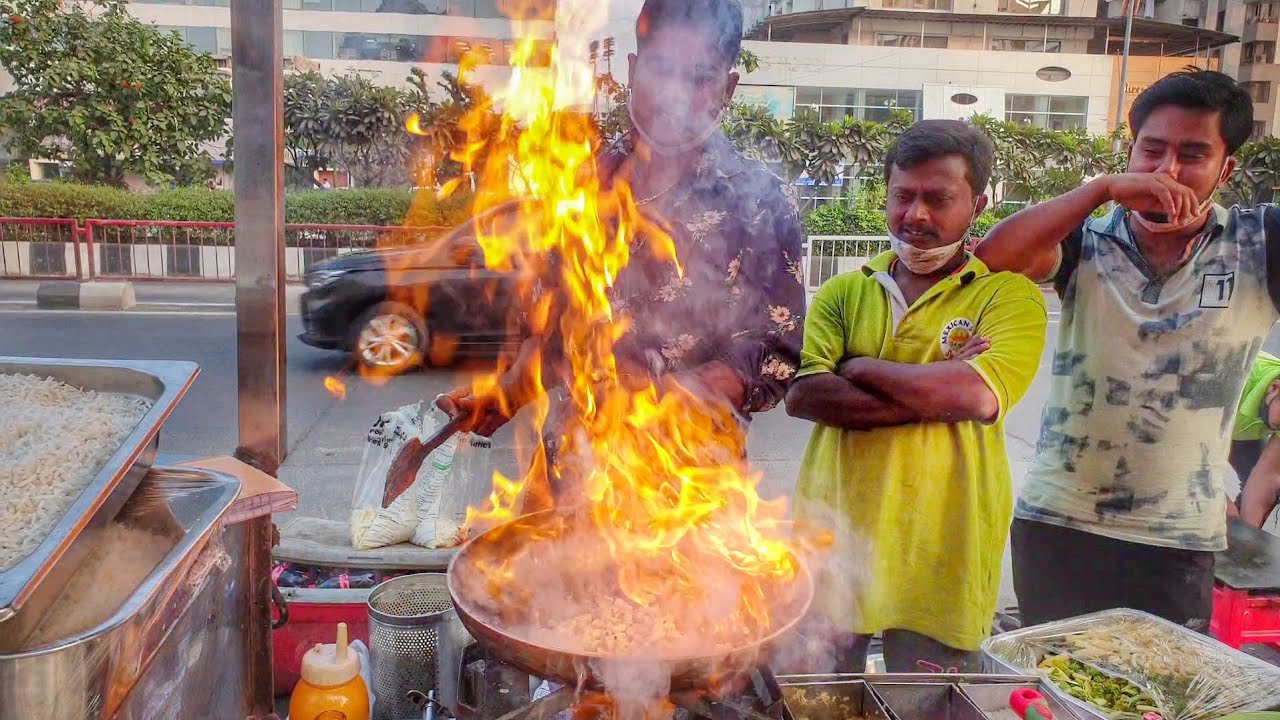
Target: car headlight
{"x":318,"y":278}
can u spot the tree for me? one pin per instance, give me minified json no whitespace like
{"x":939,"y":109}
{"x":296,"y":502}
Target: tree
{"x":307,"y":142}
{"x":1257,"y":172}
{"x":108,"y":94}
{"x":366,"y":128}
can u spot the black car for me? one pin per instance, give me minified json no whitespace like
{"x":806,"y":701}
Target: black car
{"x":396,"y":308}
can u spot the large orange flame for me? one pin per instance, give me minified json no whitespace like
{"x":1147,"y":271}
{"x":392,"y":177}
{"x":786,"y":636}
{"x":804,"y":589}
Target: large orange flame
{"x":659,"y":473}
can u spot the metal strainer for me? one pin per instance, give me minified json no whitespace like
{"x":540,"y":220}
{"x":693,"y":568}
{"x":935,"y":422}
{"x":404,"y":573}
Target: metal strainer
{"x":415,"y":643}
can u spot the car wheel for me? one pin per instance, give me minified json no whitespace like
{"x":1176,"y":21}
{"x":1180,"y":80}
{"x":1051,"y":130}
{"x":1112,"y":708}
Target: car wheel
{"x":389,"y":338}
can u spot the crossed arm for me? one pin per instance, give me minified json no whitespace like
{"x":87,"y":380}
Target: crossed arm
{"x":1262,"y":489}
{"x":867,"y":393}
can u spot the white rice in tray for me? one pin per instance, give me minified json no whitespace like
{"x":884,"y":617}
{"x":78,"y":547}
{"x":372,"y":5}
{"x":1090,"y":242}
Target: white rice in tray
{"x":112,"y":571}
{"x":53,"y":439}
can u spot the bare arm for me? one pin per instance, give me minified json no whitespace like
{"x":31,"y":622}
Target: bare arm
{"x":1262,"y":489}
{"x":948,"y":391}
{"x":829,"y":399}
{"x":1027,"y":241}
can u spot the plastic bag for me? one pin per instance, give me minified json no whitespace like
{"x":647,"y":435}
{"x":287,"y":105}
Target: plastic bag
{"x":373,"y":526}
{"x":442,"y":512}
{"x":1186,"y":675}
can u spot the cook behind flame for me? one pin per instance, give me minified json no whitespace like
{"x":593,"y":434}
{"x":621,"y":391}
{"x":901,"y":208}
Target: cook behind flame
{"x":909,"y":367}
{"x":730,"y":326}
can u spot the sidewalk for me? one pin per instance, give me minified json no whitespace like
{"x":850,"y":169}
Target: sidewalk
{"x":159,"y":296}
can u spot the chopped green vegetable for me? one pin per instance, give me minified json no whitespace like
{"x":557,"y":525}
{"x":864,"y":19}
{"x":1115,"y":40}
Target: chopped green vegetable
{"x":1113,"y":695}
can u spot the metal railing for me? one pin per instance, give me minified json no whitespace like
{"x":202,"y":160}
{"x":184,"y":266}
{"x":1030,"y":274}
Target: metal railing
{"x":829,"y":255}
{"x":38,"y":248}
{"x":41,"y":249}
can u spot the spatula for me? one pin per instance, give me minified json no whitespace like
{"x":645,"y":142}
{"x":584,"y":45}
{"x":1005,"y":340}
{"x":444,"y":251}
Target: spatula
{"x":404,"y":469}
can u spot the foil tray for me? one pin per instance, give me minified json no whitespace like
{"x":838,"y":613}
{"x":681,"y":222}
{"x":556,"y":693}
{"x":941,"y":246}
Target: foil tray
{"x":38,"y":578}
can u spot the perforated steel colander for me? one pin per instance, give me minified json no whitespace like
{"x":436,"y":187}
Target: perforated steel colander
{"x":415,"y":643}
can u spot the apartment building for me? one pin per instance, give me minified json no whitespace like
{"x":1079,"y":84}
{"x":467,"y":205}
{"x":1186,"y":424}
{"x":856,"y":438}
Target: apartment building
{"x":383,"y":39}
{"x":1051,"y":62}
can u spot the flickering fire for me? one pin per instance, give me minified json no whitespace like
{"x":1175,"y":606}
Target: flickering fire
{"x":336,"y":387}
{"x":671,"y":513}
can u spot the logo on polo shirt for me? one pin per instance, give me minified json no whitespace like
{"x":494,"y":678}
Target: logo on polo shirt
{"x":955,"y":335}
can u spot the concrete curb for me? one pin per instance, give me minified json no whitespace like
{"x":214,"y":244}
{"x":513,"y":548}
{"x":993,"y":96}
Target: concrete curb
{"x":71,"y":295}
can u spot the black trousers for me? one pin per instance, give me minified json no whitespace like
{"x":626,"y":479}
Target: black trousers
{"x":1244,"y":456}
{"x":905,"y":652}
{"x":1059,"y":573}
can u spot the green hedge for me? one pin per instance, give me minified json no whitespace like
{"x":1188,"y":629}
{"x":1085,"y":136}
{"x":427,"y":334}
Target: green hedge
{"x":374,"y":206}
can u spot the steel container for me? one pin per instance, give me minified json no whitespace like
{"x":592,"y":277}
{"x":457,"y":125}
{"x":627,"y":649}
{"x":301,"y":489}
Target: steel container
{"x":92,"y":673}
{"x":39,"y":577}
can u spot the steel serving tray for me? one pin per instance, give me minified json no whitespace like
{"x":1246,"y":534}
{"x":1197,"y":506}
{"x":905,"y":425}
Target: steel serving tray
{"x":39,"y":577}
{"x":90,"y":673}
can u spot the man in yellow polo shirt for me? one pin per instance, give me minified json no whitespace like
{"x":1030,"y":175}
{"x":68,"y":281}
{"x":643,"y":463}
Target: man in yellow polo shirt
{"x":909,"y":367}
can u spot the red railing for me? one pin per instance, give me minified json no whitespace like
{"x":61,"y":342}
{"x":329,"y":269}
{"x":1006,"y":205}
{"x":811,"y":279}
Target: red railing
{"x":172,"y":250}
{"x":41,"y":249}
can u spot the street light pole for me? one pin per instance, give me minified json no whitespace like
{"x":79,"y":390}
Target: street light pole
{"x":1124,"y":67}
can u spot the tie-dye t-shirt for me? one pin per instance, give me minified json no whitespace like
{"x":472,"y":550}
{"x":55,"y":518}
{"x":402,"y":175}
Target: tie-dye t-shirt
{"x":1146,"y":378}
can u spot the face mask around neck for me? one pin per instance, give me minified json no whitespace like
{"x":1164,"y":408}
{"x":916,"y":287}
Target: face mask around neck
{"x":668,"y":149}
{"x":924,"y":262}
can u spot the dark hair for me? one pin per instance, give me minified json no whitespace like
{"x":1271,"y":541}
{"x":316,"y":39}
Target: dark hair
{"x":1199,"y":90}
{"x":929,"y":139}
{"x":720,"y":20}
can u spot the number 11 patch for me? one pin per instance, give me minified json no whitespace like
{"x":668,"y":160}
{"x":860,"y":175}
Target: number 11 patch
{"x":1217,"y":289}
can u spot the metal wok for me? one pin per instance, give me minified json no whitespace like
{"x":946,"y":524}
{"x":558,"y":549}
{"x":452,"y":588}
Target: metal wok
{"x":496,"y":626}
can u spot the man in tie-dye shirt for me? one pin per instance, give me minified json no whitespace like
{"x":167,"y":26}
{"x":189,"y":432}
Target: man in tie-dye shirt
{"x":1165,"y":303}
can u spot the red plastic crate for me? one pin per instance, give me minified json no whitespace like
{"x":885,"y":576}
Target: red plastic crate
{"x":313,"y":618}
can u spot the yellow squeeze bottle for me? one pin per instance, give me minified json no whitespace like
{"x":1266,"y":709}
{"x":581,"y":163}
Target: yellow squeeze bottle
{"x":331,"y":687}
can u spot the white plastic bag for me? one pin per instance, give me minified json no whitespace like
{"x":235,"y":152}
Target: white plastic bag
{"x":373,"y":526}
{"x":442,"y":513}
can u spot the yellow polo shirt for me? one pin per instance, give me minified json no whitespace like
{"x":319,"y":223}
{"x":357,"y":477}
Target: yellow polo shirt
{"x":930,"y":503}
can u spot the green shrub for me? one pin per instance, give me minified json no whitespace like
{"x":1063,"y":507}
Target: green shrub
{"x":863,"y":216}
{"x":373,"y":206}
{"x":193,"y":204}
{"x":65,"y":200}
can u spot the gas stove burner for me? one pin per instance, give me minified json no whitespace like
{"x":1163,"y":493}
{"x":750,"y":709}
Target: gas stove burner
{"x":492,"y":690}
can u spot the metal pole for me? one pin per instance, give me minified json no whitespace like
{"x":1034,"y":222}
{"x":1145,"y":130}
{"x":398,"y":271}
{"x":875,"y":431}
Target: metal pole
{"x":1124,"y":70}
{"x":257,"y":81}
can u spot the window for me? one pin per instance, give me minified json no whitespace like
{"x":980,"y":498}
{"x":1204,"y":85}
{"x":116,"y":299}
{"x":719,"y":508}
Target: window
{"x":1259,"y":90}
{"x":1030,"y":7}
{"x":835,"y":104}
{"x":200,"y":3}
{"x":1020,"y":45}
{"x":1222,"y":20}
{"x":1258,"y":52}
{"x":939,"y":5}
{"x":1261,"y":12}
{"x":912,"y":40}
{"x":293,"y":45}
{"x":1052,"y":112}
{"x":210,"y":40}
{"x":317,"y":45}
{"x":1259,"y":130}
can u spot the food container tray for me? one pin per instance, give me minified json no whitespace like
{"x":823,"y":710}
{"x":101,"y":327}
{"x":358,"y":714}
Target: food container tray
{"x":1019,"y":653}
{"x":38,"y":578}
{"x":89,"y":674}
{"x":927,"y":696}
{"x":855,"y":697}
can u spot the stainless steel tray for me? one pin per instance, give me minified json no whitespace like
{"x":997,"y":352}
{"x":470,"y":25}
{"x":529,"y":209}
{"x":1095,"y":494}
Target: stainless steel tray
{"x":88,"y":675}
{"x":39,"y":577}
{"x":925,"y":696}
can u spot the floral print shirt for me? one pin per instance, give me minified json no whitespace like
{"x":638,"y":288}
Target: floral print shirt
{"x":740,"y":300}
